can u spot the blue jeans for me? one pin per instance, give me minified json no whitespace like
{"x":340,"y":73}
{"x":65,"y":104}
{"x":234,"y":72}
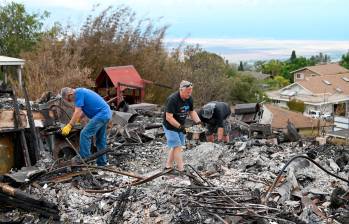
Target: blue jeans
{"x":174,"y":138}
{"x":95,"y":127}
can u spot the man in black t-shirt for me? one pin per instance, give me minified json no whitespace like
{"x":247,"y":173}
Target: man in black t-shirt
{"x":215,"y":115}
{"x":178,"y":106}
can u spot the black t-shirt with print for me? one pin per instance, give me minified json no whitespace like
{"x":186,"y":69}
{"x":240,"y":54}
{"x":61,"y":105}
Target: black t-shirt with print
{"x":179,"y":108}
{"x":221,"y":112}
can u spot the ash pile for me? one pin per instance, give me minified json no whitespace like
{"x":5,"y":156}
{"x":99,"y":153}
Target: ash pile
{"x":248,"y":180}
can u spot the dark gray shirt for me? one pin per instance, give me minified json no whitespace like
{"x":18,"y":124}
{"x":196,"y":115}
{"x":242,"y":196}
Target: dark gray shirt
{"x":221,"y":112}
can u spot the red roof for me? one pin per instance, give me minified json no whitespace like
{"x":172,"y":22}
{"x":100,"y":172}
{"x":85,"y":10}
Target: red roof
{"x":123,"y":75}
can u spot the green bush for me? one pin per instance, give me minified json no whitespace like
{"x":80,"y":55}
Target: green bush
{"x":296,"y":105}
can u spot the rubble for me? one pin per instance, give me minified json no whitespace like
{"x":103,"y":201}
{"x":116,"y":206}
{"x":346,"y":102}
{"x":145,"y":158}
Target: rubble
{"x":249,"y":180}
{"x":244,"y":175}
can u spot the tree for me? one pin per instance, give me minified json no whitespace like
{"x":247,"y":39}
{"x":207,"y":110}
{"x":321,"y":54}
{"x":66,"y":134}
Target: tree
{"x":273,"y":67}
{"x":281,"y":81}
{"x":231,"y":70}
{"x":345,"y":60}
{"x":289,"y":66}
{"x":245,"y":89}
{"x":209,"y":73}
{"x":293,"y":56}
{"x":241,"y":66}
{"x":320,"y":59}
{"x":277,"y":82}
{"x":258,"y":65}
{"x":19,"y":30}
{"x":53,"y":64}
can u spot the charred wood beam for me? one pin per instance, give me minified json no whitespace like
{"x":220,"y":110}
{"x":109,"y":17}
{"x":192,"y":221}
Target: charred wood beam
{"x":31,"y":123}
{"x":22,"y":204}
{"x":101,"y":152}
{"x":142,"y":181}
{"x":6,"y":189}
{"x":65,"y":178}
{"x":113,"y":171}
{"x":20,"y":199}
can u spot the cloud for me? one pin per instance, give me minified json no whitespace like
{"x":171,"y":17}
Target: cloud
{"x":79,"y":5}
{"x":263,"y":49}
{"x":153,"y":4}
{"x":86,"y":4}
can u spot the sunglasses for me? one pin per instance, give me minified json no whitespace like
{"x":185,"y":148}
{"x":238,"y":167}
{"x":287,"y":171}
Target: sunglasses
{"x":187,"y":85}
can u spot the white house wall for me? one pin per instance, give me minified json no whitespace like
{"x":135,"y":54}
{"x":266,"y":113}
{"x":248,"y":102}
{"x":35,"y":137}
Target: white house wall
{"x":267,"y":117}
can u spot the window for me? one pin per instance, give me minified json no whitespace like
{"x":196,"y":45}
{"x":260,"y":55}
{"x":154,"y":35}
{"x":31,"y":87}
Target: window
{"x":299,"y":76}
{"x":339,"y":109}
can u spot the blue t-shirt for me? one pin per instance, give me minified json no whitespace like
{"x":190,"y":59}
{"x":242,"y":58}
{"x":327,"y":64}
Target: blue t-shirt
{"x":92,"y":104}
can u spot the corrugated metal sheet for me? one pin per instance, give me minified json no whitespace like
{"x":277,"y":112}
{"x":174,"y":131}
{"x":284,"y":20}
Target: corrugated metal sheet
{"x":246,"y":108}
{"x":123,"y":75}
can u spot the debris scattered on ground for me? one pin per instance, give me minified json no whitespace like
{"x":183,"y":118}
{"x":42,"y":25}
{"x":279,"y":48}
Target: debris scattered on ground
{"x":249,"y":180}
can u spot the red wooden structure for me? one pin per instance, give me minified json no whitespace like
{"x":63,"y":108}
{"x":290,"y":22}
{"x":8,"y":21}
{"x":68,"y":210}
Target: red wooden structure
{"x":121,"y":83}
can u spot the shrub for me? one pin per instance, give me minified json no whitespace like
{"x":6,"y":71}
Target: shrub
{"x":296,"y":105}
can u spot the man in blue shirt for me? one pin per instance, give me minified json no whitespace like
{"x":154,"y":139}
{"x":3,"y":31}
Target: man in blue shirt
{"x":92,"y":105}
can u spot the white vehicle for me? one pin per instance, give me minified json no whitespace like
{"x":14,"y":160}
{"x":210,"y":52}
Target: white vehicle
{"x":314,"y":113}
{"x":318,"y":114}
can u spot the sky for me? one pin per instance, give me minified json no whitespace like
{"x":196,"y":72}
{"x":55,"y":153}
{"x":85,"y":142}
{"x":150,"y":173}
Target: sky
{"x":235,"y":29}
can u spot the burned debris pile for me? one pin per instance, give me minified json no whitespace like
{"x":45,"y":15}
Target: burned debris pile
{"x":253,"y":179}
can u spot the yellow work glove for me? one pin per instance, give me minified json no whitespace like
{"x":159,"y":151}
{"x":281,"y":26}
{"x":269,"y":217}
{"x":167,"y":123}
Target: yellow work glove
{"x":78,"y":122}
{"x":66,"y":130}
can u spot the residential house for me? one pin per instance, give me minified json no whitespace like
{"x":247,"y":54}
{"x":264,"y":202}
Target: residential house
{"x":279,"y":117}
{"x":318,"y":70}
{"x":320,"y":91}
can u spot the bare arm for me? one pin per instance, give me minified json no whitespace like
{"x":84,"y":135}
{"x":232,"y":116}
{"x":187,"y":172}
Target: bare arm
{"x":172,"y":120}
{"x":220,"y":132}
{"x":194,"y":116}
{"x":76,"y":115}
